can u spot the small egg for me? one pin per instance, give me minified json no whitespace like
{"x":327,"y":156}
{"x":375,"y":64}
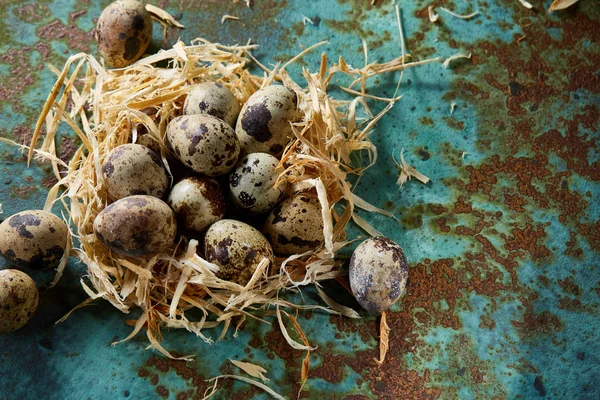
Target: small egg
{"x":19,"y":298}
{"x":132,"y":169}
{"x":296,"y":225}
{"x":123,"y":32}
{"x":237,"y":248}
{"x":252,"y":183}
{"x":150,"y":142}
{"x":204,"y":143}
{"x":197,"y":202}
{"x":214,"y":99}
{"x":264,"y":122}
{"x":136,"y":226}
{"x":33,"y":239}
{"x":378,"y":273}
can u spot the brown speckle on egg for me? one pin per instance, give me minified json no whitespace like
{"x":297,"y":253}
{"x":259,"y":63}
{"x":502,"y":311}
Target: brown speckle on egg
{"x":237,"y":248}
{"x":33,"y":239}
{"x":213,"y":99}
{"x":264,"y":122}
{"x":136,"y":226}
{"x":252,"y":183}
{"x":295,"y":225}
{"x":197,"y":202}
{"x":205,"y":143}
{"x":378,"y":273}
{"x":133,"y":169}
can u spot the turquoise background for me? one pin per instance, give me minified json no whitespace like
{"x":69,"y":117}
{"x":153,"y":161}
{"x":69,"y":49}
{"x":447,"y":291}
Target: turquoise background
{"x":503,"y":244}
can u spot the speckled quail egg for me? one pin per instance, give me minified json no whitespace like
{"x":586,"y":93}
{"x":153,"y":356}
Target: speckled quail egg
{"x":378,"y":273}
{"x":136,"y":226}
{"x":264,"y":122}
{"x":204,"y":143}
{"x":123,"y":32}
{"x":295,"y":225}
{"x":18,"y":299}
{"x":33,"y":239}
{"x":237,"y":248}
{"x":197,"y":202}
{"x":252,"y":183}
{"x":149,"y":141}
{"x":214,"y":99}
{"x":132,"y":169}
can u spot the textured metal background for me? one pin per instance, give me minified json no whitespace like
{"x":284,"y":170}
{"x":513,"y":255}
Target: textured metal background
{"x":503,"y":245}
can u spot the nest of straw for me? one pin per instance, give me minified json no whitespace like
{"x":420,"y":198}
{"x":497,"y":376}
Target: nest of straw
{"x":106,"y":108}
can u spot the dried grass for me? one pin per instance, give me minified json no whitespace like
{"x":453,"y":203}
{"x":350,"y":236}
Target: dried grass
{"x":105,"y":108}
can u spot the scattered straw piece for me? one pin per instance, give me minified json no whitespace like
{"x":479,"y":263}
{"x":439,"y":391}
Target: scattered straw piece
{"x":561,"y":4}
{"x":407,"y":172}
{"x":526,"y":4}
{"x":250,"y":381}
{"x":304,"y":372}
{"x":305,"y":19}
{"x":433,"y":17}
{"x":255,"y":371}
{"x":227,"y":17}
{"x":467,"y":16}
{"x":163,"y":16}
{"x":384,"y":340}
{"x":448,"y":60}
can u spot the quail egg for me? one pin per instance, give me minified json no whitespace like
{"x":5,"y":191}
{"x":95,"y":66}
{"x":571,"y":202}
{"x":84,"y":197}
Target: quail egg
{"x":264,"y":122}
{"x":204,"y":143}
{"x":214,"y":99}
{"x":132,"y":169}
{"x":18,"y":299}
{"x":252,"y":183}
{"x":123,"y":32}
{"x":197,"y":202}
{"x":136,"y":226}
{"x":237,"y":248}
{"x":33,"y":239}
{"x":378,"y":273}
{"x":296,"y":225}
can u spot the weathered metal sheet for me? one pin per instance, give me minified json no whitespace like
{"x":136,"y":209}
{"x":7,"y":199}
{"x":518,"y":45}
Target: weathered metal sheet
{"x":503,"y":244}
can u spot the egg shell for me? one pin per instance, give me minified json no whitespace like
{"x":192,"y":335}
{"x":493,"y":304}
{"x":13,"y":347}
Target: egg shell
{"x":136,"y":226}
{"x":252,"y":183}
{"x":147,"y":140}
{"x":204,"y":143}
{"x":33,"y":239}
{"x":295,"y":225}
{"x":19,"y":299}
{"x":123,"y":32}
{"x":133,"y":169}
{"x":378,"y":273}
{"x":197,"y":202}
{"x":264,"y":122}
{"x":237,"y":248}
{"x":214,"y":99}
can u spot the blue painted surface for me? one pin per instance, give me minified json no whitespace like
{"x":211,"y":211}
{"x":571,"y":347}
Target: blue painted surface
{"x":467,"y":358}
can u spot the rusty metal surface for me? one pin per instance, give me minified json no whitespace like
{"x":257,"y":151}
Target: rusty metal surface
{"x":503,"y":245}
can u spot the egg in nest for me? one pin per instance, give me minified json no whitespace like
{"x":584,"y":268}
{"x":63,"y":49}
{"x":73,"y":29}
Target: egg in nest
{"x":295,"y":225}
{"x":252,"y":183}
{"x":204,"y":143}
{"x":237,"y":248}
